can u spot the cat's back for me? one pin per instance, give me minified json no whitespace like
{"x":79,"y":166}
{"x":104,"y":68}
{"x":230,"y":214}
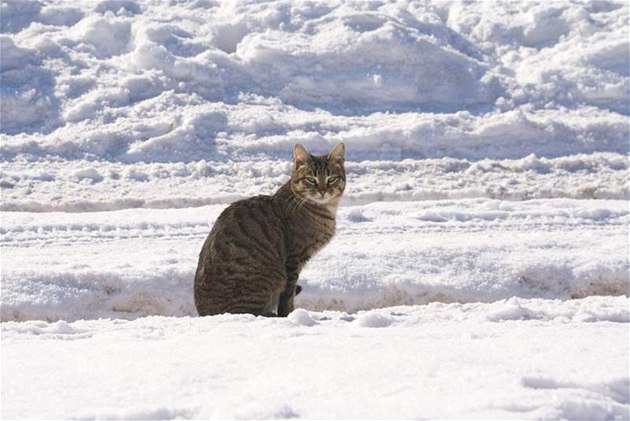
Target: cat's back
{"x":253,"y":210}
{"x":241,"y":263}
{"x":248,"y":232}
{"x":246,"y":221}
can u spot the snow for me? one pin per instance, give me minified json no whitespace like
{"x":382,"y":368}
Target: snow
{"x":477,"y":361}
{"x":71,"y":266}
{"x":480,"y":268}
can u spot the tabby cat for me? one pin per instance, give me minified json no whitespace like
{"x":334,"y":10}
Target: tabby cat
{"x":254,"y":253}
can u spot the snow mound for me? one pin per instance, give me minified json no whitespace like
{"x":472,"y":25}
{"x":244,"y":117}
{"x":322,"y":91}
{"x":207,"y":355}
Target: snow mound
{"x":372,"y":319}
{"x":564,"y":56}
{"x":361,"y":57}
{"x":27,"y":90}
{"x":301,"y":317}
{"x":230,"y":80}
{"x":17,"y":15}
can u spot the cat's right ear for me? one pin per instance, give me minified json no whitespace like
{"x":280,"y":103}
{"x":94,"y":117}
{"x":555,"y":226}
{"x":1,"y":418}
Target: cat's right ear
{"x":300,"y":156}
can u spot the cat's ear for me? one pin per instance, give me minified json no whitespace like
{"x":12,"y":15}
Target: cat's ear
{"x":300,"y":155}
{"x":337,"y":154}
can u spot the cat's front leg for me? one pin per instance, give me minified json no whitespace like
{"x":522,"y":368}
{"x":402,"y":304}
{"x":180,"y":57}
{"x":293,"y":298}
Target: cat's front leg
{"x":285,"y":303}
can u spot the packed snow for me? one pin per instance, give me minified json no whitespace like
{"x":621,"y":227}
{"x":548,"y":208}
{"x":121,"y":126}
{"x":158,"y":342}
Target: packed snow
{"x":480,"y":267}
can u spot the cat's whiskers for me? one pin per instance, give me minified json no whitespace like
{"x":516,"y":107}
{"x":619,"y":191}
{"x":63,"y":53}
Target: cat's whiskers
{"x":297,"y":203}
{"x":301,"y":202}
{"x":292,"y":204}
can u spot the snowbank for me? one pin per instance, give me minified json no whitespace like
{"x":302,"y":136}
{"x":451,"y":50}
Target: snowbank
{"x":201,"y":80}
{"x":113,"y":104}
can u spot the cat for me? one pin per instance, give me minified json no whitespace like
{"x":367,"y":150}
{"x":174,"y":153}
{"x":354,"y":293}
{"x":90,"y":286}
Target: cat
{"x":256,"y":249}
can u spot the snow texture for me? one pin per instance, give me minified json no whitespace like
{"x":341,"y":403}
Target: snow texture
{"x":514,"y":359}
{"x":70,"y":266}
{"x":480,"y":268}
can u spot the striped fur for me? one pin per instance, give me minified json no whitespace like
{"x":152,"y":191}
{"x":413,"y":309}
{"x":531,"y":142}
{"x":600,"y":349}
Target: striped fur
{"x":254,"y":253}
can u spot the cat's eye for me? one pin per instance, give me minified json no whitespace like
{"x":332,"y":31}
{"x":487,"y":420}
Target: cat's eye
{"x":332,"y":179}
{"x":311,"y":180}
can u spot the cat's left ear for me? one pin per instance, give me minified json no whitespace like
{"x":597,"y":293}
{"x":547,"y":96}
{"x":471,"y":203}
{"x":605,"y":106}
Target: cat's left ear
{"x":337,"y":154}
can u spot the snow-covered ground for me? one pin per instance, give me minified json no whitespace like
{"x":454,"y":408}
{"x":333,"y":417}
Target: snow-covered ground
{"x":132,"y":263}
{"x":514,"y":359}
{"x":484,"y":230}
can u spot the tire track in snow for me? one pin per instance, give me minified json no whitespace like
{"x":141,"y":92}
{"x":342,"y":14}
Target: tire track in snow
{"x":105,"y":186}
{"x":352,"y":222}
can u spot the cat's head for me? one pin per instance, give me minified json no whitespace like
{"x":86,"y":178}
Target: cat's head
{"x":320,"y":179}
